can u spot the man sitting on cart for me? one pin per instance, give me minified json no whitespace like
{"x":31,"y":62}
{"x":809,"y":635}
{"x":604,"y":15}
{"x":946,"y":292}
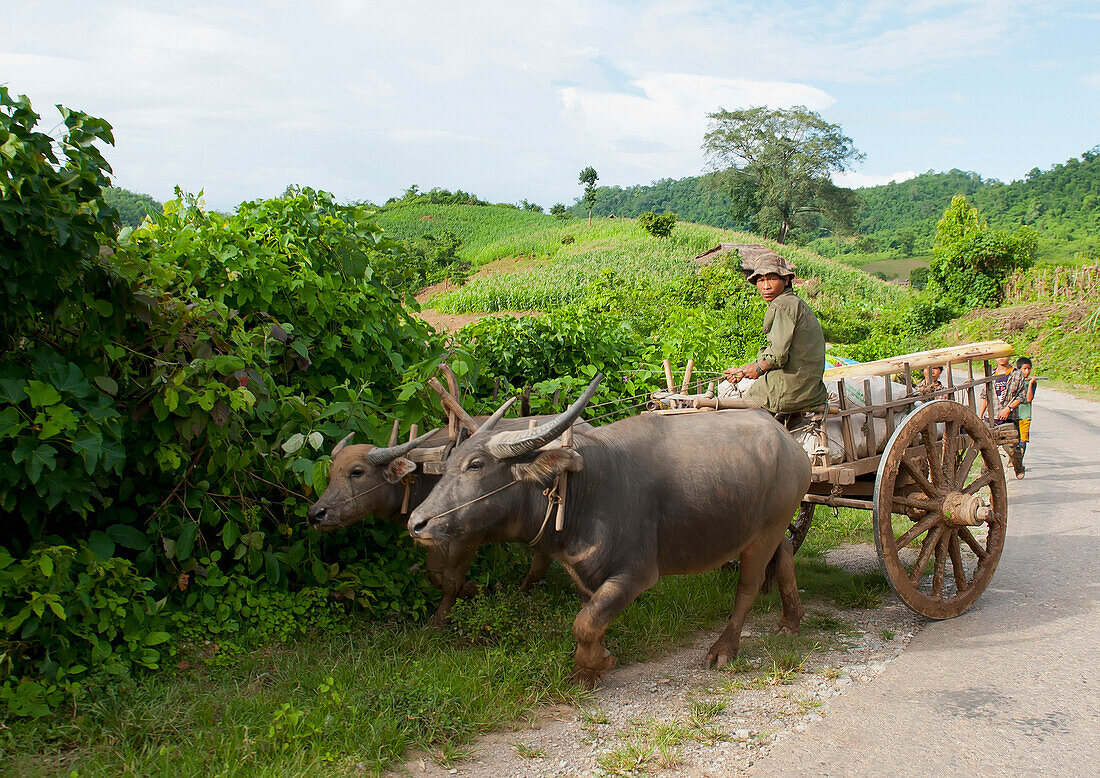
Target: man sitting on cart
{"x":790,"y":367}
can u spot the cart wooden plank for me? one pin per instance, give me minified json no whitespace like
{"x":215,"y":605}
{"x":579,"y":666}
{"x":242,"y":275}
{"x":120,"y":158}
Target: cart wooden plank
{"x":989,"y":349}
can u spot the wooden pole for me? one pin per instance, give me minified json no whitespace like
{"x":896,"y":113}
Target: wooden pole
{"x":405,"y":500}
{"x":394,"y":431}
{"x":872,"y":448}
{"x":563,"y":483}
{"x":452,"y":405}
{"x":846,"y":424}
{"x":889,"y":408}
{"x":668,"y":376}
{"x":687,"y":376}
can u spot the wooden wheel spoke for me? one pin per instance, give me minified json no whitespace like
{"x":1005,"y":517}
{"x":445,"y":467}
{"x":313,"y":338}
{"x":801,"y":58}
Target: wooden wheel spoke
{"x":915,"y":502}
{"x":984,"y":480}
{"x":957,"y":564}
{"x":916,"y":474}
{"x":932,"y":454}
{"x":915,"y":531}
{"x":941,"y":564}
{"x":931,"y":540}
{"x":918,"y":477}
{"x":975,"y":546}
{"x":971,"y":453}
{"x":950,"y":442}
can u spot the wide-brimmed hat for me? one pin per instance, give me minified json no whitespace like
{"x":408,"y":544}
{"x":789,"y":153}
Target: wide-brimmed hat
{"x":763,"y":262}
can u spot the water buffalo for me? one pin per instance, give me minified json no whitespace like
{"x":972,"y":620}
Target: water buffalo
{"x":367,"y":480}
{"x":647,"y":496}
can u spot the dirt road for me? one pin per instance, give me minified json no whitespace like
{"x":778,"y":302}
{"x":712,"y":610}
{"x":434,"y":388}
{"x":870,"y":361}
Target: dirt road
{"x":1012,"y":687}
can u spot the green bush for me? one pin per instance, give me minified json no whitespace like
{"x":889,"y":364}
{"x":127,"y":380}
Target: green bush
{"x":167,"y":397}
{"x":657,"y":226}
{"x":70,"y":616}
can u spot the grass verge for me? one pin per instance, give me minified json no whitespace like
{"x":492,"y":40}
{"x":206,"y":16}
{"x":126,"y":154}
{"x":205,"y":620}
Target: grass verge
{"x":359,"y":701}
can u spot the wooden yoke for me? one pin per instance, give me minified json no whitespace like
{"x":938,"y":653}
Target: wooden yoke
{"x":456,"y":414}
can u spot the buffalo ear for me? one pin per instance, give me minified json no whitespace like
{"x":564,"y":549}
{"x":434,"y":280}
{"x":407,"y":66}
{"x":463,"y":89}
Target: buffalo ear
{"x":398,"y":469}
{"x":548,"y":465}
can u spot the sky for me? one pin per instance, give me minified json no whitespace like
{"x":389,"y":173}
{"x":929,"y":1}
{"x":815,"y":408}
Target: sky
{"x":510,"y":99}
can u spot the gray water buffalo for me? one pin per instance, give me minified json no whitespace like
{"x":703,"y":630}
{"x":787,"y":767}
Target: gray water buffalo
{"x":366,"y":480}
{"x":647,"y":496}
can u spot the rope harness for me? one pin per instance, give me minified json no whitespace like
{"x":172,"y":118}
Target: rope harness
{"x":552,"y":501}
{"x":360,"y":494}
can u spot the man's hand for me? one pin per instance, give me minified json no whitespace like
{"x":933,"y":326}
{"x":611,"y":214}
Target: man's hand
{"x":1004,"y":413}
{"x":733,"y":375}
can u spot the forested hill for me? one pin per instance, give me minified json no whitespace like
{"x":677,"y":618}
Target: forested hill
{"x":691,"y":199}
{"x":1063,"y":203}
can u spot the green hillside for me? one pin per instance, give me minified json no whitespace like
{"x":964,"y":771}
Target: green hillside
{"x":1063,"y":203}
{"x":559,"y":259}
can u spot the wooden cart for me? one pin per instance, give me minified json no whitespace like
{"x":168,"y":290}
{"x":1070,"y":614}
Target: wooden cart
{"x":937,"y":490}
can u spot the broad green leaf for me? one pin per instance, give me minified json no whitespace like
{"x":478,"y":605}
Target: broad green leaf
{"x":128,"y":536}
{"x":42,"y":458}
{"x":45,"y":564}
{"x":156,"y":638}
{"x":185,"y":543}
{"x":101,"y":545}
{"x":294,"y":443}
{"x":12,"y":390}
{"x":316,"y":440}
{"x":107,"y":384}
{"x":42,"y":394}
{"x":10,"y":422}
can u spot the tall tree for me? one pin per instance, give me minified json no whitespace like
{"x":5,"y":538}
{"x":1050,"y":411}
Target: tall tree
{"x":589,"y":177}
{"x":775,"y":163}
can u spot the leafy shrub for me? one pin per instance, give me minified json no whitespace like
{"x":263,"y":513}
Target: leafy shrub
{"x":68,"y":616}
{"x":970,"y":261}
{"x":166,"y":397}
{"x":918,"y":277}
{"x":657,"y":226}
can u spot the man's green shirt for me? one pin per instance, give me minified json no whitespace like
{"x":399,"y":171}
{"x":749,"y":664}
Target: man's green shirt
{"x":796,"y":352}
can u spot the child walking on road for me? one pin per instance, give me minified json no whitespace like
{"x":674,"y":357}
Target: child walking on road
{"x":1023,"y":410}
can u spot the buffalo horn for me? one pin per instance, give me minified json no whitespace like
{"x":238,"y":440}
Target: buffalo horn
{"x":383,"y":456}
{"x":492,"y":420}
{"x":505,"y":445}
{"x":342,"y":444}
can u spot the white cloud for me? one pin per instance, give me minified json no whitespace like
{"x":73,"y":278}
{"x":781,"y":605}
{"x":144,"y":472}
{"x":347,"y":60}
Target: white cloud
{"x":860,"y":180}
{"x":506,"y":99}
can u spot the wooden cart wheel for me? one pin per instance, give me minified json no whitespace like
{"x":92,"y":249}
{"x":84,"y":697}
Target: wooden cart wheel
{"x":796,"y":532}
{"x":940,"y":500}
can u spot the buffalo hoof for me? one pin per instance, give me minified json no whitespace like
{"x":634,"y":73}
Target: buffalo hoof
{"x":786,"y":628}
{"x":720,"y":655}
{"x":440,"y":620}
{"x":587,"y":677}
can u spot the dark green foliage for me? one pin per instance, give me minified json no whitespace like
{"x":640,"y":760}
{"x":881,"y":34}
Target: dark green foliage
{"x":428,"y":259}
{"x":970,"y":261}
{"x":775,"y":163}
{"x":589,"y":177}
{"x":132,"y":207}
{"x":165,"y":403}
{"x":693,"y":199}
{"x":657,"y":226}
{"x":436,"y":196}
{"x":558,"y":210}
{"x":532,"y":207}
{"x":918,"y":277}
{"x":70,"y":617}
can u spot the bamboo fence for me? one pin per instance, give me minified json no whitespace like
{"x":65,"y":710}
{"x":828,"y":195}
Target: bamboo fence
{"x":1053,"y":285}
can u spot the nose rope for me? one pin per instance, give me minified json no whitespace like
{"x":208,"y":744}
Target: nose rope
{"x":471,"y":502}
{"x":361,"y":494}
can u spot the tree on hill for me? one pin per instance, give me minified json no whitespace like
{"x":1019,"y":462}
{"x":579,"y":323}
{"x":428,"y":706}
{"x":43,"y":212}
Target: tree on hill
{"x":589,"y":177}
{"x":132,"y":207}
{"x":970,"y":261}
{"x":776,"y":164}
{"x":558,"y":210}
